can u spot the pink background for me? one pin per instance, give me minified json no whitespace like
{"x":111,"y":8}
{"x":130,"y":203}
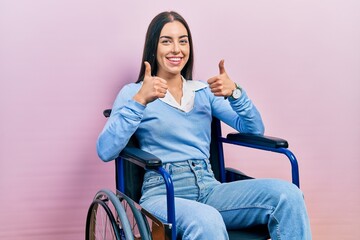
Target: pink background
{"x":63,"y":62}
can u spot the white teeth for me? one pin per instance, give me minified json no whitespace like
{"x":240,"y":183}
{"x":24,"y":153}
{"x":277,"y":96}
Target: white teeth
{"x":174,"y":59}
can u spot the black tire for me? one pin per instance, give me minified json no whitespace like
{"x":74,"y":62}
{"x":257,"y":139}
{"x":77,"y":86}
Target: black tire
{"x":100,"y":222}
{"x":138,"y":222}
{"x":108,"y":209}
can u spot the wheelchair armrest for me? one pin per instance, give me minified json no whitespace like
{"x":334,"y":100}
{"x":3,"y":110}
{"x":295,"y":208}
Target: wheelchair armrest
{"x":149,"y":161}
{"x":235,"y":174}
{"x":107,"y":113}
{"x":259,"y":140}
{"x":140,"y":157}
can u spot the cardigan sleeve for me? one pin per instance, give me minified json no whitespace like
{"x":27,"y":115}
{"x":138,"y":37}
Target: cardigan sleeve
{"x":240,"y":114}
{"x":125,"y":118}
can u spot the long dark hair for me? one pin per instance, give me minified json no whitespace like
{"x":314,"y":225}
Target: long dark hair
{"x":152,"y":39}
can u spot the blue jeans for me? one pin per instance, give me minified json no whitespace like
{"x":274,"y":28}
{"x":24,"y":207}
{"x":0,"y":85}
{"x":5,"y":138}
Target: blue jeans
{"x":205,"y":208}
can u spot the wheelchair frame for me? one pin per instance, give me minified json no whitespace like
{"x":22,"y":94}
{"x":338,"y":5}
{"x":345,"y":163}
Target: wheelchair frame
{"x":151,"y":162}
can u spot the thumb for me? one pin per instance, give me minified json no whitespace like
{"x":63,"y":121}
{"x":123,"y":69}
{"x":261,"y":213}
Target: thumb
{"x":221,"y":66}
{"x":147,"y":69}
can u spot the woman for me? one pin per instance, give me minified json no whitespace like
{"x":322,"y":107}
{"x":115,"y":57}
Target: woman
{"x":171,"y":116}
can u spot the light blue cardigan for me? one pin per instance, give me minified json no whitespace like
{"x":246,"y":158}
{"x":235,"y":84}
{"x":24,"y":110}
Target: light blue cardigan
{"x":169,"y":133}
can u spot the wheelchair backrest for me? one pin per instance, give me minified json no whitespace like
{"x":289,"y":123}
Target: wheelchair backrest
{"x":133,"y":175}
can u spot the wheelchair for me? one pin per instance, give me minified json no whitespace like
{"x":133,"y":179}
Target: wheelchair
{"x":119,"y":216}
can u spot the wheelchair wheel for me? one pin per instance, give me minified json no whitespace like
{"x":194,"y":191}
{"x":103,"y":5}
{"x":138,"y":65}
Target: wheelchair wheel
{"x":138,"y":222}
{"x":100,"y":223}
{"x":107,"y":218}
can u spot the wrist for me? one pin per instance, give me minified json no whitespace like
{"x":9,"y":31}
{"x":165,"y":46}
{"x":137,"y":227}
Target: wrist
{"x":140,"y":99}
{"x":236,"y":92}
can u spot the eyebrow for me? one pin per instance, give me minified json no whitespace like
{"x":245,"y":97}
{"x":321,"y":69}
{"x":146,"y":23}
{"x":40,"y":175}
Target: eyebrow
{"x":182,"y":36}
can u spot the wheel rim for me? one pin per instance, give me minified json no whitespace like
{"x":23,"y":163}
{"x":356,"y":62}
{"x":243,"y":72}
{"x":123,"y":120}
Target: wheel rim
{"x":101,"y":224}
{"x":139,"y":225}
{"x":132,"y":220}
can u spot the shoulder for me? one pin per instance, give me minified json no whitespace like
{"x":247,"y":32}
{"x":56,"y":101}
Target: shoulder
{"x":196,"y":85}
{"x":129,"y":89}
{"x":126,"y":93}
{"x":201,"y":90}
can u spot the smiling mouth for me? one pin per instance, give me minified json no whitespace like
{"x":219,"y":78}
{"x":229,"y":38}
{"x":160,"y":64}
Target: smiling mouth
{"x":175,"y":60}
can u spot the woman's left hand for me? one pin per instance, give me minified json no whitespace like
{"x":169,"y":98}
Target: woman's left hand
{"x":221,"y":85}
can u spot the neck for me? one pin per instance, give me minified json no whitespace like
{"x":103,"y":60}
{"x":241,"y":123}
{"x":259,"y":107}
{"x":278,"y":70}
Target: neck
{"x":173,"y":81}
{"x":175,"y":86}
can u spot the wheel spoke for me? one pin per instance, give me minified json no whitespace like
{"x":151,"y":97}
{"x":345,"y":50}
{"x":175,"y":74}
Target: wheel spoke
{"x":101,"y":226}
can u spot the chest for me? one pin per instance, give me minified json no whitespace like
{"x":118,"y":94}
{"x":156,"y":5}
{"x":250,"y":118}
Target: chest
{"x":163,"y":120}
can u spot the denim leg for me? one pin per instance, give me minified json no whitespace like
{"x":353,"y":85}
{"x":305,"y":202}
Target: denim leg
{"x":194,"y":220}
{"x":204,"y":206}
{"x":277,"y":203}
{"x":193,"y":180}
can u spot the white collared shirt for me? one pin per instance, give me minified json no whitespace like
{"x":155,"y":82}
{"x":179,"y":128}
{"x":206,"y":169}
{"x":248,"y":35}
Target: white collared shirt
{"x":188,"y":98}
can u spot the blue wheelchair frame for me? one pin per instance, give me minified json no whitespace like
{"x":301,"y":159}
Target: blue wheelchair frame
{"x":151,"y":162}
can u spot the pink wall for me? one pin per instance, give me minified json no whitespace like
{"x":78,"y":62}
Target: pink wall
{"x":62,"y":63}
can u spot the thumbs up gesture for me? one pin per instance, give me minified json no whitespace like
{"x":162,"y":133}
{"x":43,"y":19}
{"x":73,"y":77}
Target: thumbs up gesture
{"x":221,"y":85}
{"x":152,"y":87}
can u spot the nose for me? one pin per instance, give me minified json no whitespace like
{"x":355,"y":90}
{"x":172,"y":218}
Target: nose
{"x":176,"y":48}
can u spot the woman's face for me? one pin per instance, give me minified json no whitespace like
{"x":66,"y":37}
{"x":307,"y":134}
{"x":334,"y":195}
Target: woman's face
{"x":173,"y":49}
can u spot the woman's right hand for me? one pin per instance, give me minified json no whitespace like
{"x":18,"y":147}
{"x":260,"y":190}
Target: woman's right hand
{"x":152,"y":87}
